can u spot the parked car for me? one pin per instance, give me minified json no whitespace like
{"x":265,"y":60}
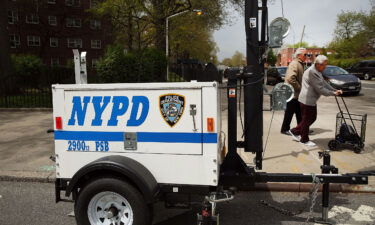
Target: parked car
{"x":342,"y":79}
{"x":231,"y":70}
{"x":276,"y":75}
{"x":363,"y":69}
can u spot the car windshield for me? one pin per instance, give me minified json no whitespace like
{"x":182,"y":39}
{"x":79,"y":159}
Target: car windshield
{"x":333,"y":71}
{"x":282,"y":70}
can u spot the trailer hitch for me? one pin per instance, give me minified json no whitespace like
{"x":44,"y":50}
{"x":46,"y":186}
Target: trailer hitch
{"x":208,"y":214}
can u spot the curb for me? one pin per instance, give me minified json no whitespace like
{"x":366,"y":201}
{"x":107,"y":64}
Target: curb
{"x":28,"y":179}
{"x":267,"y":187}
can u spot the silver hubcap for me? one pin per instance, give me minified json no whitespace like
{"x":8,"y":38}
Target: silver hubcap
{"x":367,"y":77}
{"x":109,"y":208}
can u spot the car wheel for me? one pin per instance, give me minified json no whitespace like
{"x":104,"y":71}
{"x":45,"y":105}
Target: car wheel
{"x":367,"y":77}
{"x":111,"y":201}
{"x":356,"y":93}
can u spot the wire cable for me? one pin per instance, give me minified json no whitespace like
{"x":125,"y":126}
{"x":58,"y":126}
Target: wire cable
{"x":243,"y":85}
{"x":269,"y":131}
{"x":239,"y":109}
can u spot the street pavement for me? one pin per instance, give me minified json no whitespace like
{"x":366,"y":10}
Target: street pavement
{"x":33,"y":204}
{"x":25,"y":147}
{"x":282,"y":154}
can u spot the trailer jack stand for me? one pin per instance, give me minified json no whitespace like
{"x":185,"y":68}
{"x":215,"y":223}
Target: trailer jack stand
{"x":208,"y":214}
{"x":326,"y":168}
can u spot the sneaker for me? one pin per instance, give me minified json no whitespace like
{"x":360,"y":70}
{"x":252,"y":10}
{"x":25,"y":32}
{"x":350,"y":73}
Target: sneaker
{"x":309,"y":144}
{"x":295,"y":137}
{"x":286,"y":132}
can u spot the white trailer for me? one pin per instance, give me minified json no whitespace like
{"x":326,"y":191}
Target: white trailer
{"x":121,"y":147}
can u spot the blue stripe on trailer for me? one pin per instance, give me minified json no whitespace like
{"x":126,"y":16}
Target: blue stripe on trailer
{"x":141,"y":136}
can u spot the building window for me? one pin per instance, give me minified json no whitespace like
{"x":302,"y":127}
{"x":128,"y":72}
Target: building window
{"x":52,"y":20}
{"x":73,"y":22}
{"x":33,"y":41}
{"x":95,"y":24}
{"x":72,"y":3}
{"x":55,"y":61}
{"x":74,"y":43}
{"x":14,"y":41}
{"x":51,"y":1}
{"x":96,"y":44}
{"x":12,"y":17}
{"x":94,"y":62}
{"x":32,"y":18}
{"x":54,"y":42}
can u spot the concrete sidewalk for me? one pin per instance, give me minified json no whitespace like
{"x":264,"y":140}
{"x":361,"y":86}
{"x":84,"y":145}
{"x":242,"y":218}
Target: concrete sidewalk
{"x":25,"y":147}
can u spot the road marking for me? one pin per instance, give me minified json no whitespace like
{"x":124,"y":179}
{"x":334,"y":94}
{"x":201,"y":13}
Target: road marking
{"x":364,"y":213}
{"x":1,"y":197}
{"x":368,"y":88}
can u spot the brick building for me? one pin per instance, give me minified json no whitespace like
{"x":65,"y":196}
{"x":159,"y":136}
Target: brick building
{"x":285,"y":55}
{"x":50,"y":29}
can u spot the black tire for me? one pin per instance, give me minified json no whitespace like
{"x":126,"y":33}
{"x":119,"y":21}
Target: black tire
{"x":367,"y":76}
{"x":332,"y":145}
{"x":141,"y":211}
{"x":357,"y":149}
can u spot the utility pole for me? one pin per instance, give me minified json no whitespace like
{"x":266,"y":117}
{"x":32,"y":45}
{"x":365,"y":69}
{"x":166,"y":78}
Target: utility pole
{"x":303,"y":33}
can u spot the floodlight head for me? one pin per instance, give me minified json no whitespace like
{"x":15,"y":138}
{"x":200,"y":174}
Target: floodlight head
{"x":281,"y":94}
{"x":278,"y":30}
{"x":283,"y":24}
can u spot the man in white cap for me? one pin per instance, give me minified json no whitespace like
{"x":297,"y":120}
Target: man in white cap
{"x":294,"y":77}
{"x":313,"y":86}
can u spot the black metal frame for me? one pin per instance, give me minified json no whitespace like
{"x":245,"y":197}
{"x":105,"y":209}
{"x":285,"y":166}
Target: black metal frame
{"x":234,"y":173}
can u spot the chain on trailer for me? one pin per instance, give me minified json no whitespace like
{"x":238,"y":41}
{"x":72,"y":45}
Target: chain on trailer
{"x":313,"y":194}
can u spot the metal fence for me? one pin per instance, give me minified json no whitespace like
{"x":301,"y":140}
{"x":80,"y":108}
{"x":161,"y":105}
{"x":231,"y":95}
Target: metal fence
{"x":34,"y":91}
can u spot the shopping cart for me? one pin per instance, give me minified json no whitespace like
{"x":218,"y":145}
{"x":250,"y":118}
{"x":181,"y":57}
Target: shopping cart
{"x":349,"y":134}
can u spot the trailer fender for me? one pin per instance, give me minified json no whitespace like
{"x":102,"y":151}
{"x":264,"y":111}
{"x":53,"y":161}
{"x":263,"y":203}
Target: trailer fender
{"x":127,"y":168}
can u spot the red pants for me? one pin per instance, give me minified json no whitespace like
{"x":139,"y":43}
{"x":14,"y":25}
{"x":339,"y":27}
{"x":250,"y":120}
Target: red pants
{"x":308,"y":117}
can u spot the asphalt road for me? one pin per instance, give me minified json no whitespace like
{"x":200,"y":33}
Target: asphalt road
{"x":33,"y":204}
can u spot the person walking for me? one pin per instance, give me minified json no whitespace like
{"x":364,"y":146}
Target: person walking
{"x":294,"y":77}
{"x":313,"y":86}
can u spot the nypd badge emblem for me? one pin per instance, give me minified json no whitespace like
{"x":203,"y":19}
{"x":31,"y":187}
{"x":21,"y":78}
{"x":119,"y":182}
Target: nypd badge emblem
{"x":172,"y":107}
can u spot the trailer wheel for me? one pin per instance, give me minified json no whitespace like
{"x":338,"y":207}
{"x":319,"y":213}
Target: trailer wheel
{"x":111,"y":201}
{"x":332,"y":145}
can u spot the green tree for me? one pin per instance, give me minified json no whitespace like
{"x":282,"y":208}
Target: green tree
{"x":190,"y":37}
{"x":353,"y":35}
{"x":348,"y":24}
{"x":302,"y":45}
{"x":143,"y":22}
{"x":118,"y":66}
{"x":227,"y":62}
{"x":238,"y":59}
{"x":271,"y":58}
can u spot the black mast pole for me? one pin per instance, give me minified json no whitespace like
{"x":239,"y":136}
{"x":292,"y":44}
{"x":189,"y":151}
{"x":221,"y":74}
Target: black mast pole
{"x":253,"y":81}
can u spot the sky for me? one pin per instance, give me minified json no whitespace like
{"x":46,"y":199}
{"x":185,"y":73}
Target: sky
{"x":319,"y":17}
